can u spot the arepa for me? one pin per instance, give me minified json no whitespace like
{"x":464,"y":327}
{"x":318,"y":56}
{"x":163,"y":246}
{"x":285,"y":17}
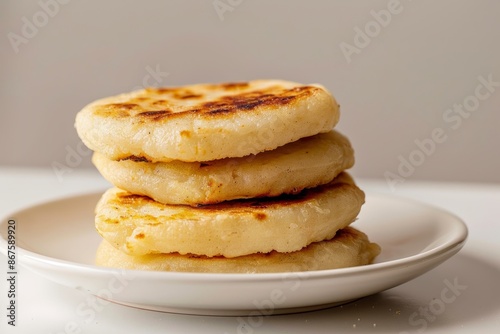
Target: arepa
{"x":305,"y":163}
{"x":349,"y":248}
{"x":138,"y":225}
{"x":205,"y":122}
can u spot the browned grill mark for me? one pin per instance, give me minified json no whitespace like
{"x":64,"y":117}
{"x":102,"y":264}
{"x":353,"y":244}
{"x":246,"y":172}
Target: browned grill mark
{"x":252,"y":100}
{"x":160,"y":90}
{"x":213,"y":184}
{"x":112,"y":113}
{"x":140,"y":236}
{"x":155,"y":115}
{"x":221,"y":110}
{"x":234,"y":85}
{"x":261,"y":202}
{"x":126,"y":106}
{"x":191,"y":96}
{"x":185,"y":133}
{"x":141,"y":99}
{"x":183,"y":94}
{"x":117,"y":109}
{"x":258,"y":205}
{"x":260,"y":215}
{"x":232,"y":102}
{"x":130,"y":196}
{"x":127,"y":198}
{"x":160,"y":102}
{"x":136,"y":158}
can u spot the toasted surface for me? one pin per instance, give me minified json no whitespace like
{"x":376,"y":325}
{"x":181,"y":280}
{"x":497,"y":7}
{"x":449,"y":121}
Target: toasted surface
{"x":206,"y":121}
{"x":305,"y":163}
{"x":138,"y":225}
{"x":348,"y":248}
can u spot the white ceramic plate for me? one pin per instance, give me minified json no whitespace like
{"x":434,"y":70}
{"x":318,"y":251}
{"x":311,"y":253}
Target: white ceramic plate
{"x":58,"y":241}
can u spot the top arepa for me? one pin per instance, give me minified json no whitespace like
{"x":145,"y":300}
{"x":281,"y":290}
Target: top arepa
{"x":205,"y":122}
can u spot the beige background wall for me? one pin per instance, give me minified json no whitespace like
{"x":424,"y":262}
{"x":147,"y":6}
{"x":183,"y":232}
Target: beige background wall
{"x":401,"y":71}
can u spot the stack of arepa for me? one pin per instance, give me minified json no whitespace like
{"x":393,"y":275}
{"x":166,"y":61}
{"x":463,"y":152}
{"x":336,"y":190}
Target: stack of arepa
{"x":243,"y":177}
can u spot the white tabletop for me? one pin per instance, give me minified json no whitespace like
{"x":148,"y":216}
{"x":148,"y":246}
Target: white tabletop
{"x":45,"y":307}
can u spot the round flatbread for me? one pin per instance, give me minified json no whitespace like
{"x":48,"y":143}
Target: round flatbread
{"x":138,"y":225}
{"x":305,"y":163}
{"x":349,"y":248}
{"x":205,"y":122}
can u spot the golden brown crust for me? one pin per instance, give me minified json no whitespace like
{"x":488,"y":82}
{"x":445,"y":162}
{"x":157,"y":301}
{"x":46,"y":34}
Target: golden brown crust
{"x":157,"y":104}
